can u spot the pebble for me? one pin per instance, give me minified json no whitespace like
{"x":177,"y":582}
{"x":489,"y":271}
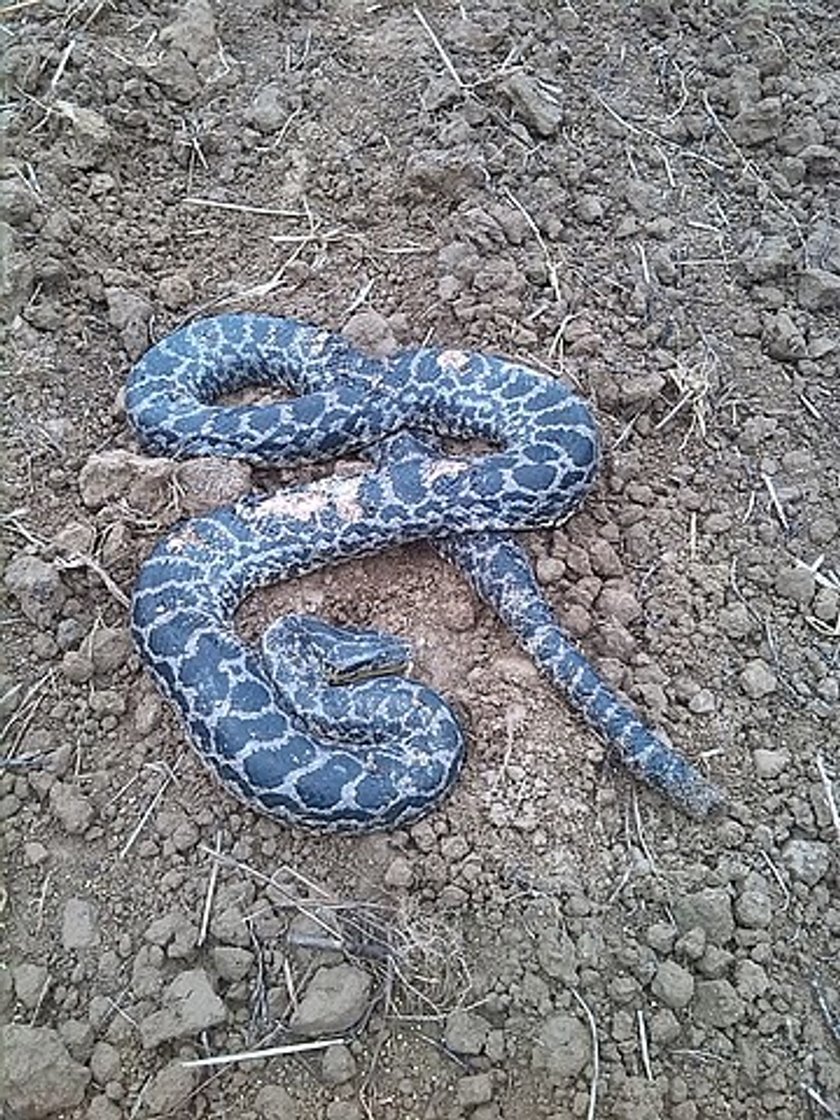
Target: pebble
{"x":563,"y":1048}
{"x":110,"y":647}
{"x":807,"y":860}
{"x":338,"y":1065}
{"x":169,"y":1089}
{"x":754,"y":909}
{"x":757,"y":679}
{"x":717,"y":1004}
{"x":37,"y":587}
{"x":819,"y":290}
{"x":673,"y":985}
{"x":783,"y":340}
{"x":105,"y":1062}
{"x":79,"y":924}
{"x":270,"y":108}
{"x":232,"y":963}
{"x":703,"y":702}
{"x":798,"y":584}
{"x":273,"y":1102}
{"x":539,"y":114}
{"x":37,"y":1075}
{"x":465,"y":1032}
{"x":710,"y":910}
{"x":70,"y":807}
{"x":620,"y":604}
{"x":29,"y":980}
{"x":399,"y":874}
{"x":193,"y":32}
{"x":474,"y":1090}
{"x":335,"y":999}
{"x":770,"y":763}
{"x":205,"y":484}
{"x":189,"y":1006}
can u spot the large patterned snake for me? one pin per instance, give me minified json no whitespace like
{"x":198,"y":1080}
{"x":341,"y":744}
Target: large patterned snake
{"x":319,"y":728}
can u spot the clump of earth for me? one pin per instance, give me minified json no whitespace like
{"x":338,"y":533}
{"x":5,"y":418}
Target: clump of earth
{"x":639,"y":199}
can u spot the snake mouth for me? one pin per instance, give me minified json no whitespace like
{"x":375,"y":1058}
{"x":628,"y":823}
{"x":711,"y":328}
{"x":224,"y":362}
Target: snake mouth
{"x":370,"y":672}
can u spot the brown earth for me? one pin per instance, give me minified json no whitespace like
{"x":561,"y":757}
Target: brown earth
{"x":641,"y":198}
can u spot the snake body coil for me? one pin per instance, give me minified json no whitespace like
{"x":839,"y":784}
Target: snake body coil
{"x":289,"y":729}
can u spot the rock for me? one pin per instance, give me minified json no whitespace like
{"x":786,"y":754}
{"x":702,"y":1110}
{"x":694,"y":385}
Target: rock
{"x":193,"y":32}
{"x":231,"y":963}
{"x":273,"y":1102}
{"x":751,"y":981}
{"x":604,"y":559}
{"x":206,"y":484}
{"x":270,"y":109}
{"x":189,"y":1006}
{"x":538,"y":113}
{"x":173,"y":932}
{"x":758,"y":123}
{"x":717,"y":1004}
{"x":474,"y":1090}
{"x":757,"y":680}
{"x":754,"y":908}
{"x":709,"y":910}
{"x":92,"y":135}
{"x":798,"y":584}
{"x":144,"y":482}
{"x":169,"y":1090}
{"x":335,"y":999}
{"x":620,"y":604}
{"x":372,"y":333}
{"x":338,"y":1065}
{"x":673,"y":985}
{"x":783,"y":340}
{"x":399,"y":873}
{"x":105,"y":1063}
{"x":703,"y":702}
{"x":175,"y":291}
{"x":769,"y":764}
{"x":465,"y":1032}
{"x":130,"y":313}
{"x":78,"y":925}
{"x":29,"y":981}
{"x":819,"y":290}
{"x":37,"y":1075}
{"x":37,"y":587}
{"x":70,"y":807}
{"x":563,"y":1048}
{"x":807,"y":860}
{"x":110,"y":648}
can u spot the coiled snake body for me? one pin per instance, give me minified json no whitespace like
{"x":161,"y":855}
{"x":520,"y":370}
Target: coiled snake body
{"x":290,"y":729}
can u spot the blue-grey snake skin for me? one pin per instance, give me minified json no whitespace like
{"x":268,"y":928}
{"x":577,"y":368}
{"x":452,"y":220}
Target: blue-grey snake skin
{"x":319,"y":728}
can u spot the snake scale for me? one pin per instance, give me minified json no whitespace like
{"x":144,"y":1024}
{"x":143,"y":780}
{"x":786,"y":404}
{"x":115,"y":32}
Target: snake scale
{"x":320,"y":727}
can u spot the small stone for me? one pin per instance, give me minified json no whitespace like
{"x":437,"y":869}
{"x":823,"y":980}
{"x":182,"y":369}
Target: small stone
{"x":757,"y":680}
{"x":475,"y":1090}
{"x":399,"y":874}
{"x":465,"y":1032}
{"x":338,"y":1065}
{"x":273,"y":1102}
{"x":798,"y":584}
{"x":270,"y":109}
{"x":105,"y":1063}
{"x":807,"y":860}
{"x":110,"y":647}
{"x":169,"y":1090}
{"x":70,"y":807}
{"x":537,"y":112}
{"x":819,"y":290}
{"x":232,"y":963}
{"x":30,"y":981}
{"x":79,"y":925}
{"x":175,"y":291}
{"x":673,"y":985}
{"x":620,"y":604}
{"x":661,"y":937}
{"x":710,"y":910}
{"x":717,"y":1004}
{"x":703,"y":702}
{"x":189,"y":1006}
{"x":37,"y":587}
{"x":205,"y":484}
{"x":604,"y":558}
{"x":77,"y":667}
{"x":193,"y":32}
{"x":563,"y":1048}
{"x":769,"y":764}
{"x":751,"y":981}
{"x":753,"y":909}
{"x":589,"y":208}
{"x":335,"y":999}
{"x":372,"y":333}
{"x":783,"y":339}
{"x":37,"y":1075}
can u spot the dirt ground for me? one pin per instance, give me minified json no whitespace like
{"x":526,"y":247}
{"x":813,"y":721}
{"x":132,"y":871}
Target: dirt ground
{"x":641,"y":198}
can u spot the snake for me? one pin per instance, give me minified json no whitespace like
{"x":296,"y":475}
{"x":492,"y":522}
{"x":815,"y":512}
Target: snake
{"x":322,"y":726}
